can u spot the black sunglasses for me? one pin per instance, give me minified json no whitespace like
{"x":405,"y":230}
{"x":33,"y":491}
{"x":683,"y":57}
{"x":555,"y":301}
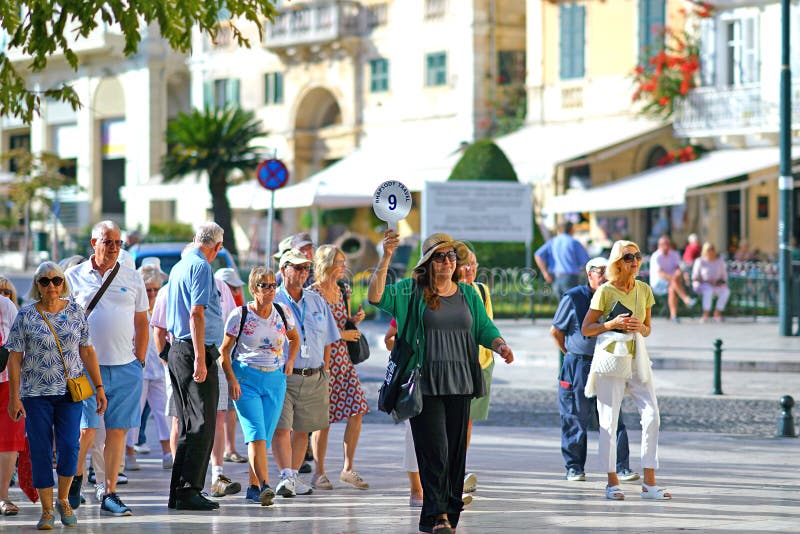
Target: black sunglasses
{"x":44,"y":281}
{"x":301,"y":267}
{"x":266,"y":285}
{"x":439,"y":257}
{"x":629,"y":258}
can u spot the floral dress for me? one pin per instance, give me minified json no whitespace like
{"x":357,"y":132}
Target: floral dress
{"x":347,"y":395}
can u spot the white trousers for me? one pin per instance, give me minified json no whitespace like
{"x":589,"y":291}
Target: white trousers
{"x":409,"y":454}
{"x":154,"y":392}
{"x":610,"y":391}
{"x":708,"y":292}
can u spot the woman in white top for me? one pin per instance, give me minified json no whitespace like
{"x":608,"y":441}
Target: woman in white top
{"x":256,"y":363}
{"x":710,"y":279}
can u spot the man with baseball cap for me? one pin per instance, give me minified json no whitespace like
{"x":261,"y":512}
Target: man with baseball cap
{"x":304,"y":246}
{"x":576,"y":410}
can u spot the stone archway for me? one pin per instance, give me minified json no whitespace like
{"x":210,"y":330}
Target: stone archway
{"x":113,"y":135}
{"x":318,"y":129}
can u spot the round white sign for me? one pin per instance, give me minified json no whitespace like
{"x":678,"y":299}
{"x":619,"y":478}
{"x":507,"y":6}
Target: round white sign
{"x":391,"y":202}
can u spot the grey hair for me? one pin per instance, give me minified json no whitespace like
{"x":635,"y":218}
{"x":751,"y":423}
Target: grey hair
{"x":208,"y":234}
{"x":151,"y":275}
{"x":41,"y":270}
{"x":99,"y":228}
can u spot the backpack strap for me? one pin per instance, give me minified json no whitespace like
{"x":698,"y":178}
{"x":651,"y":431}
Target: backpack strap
{"x":241,"y":327}
{"x":281,"y":313}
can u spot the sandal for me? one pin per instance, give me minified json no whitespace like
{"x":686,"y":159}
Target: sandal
{"x":614,"y":493}
{"x":442,"y":526}
{"x":655,"y":493}
{"x":8,"y":508}
{"x":235,"y":457}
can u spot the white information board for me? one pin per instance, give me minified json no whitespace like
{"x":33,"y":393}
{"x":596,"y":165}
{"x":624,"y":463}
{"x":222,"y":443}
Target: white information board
{"x":478,"y":211}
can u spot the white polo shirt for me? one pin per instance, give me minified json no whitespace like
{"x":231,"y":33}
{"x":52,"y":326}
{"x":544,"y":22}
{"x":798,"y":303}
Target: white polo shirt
{"x":111,"y":322}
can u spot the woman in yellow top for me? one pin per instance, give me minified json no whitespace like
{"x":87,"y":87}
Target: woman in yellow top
{"x":623,"y":288}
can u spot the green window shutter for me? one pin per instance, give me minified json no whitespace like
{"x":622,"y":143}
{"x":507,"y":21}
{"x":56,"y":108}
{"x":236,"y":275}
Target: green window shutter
{"x":208,"y":94}
{"x":279,"y":88}
{"x":652,"y":17}
{"x":572,"y":21}
{"x":232,"y":91}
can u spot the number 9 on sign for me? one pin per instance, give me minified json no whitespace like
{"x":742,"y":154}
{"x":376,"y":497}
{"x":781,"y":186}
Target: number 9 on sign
{"x":391,"y":202}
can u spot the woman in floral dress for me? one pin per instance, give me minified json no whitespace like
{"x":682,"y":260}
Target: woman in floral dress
{"x":347,"y":400}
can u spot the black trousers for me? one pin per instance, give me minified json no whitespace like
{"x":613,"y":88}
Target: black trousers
{"x":196,"y":405}
{"x":440,"y":441}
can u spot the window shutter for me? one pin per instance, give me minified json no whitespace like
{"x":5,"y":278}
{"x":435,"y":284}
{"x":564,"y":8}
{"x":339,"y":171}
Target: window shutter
{"x":708,"y":52}
{"x":208,"y":94}
{"x":279,"y":88}
{"x":579,"y":42}
{"x":563,"y":44}
{"x":232,"y":91}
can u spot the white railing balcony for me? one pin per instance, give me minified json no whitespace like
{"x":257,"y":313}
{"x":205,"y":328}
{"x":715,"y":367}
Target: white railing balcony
{"x":736,"y":110}
{"x":315,"y":23}
{"x":101,"y":40}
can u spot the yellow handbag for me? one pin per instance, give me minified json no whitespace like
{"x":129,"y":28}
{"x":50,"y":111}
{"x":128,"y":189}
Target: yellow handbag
{"x":79,"y":387}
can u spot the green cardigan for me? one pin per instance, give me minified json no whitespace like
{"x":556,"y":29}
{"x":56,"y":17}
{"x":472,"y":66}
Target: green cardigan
{"x":395,"y":301}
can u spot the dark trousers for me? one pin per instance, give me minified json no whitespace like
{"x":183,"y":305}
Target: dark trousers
{"x":196,"y":405}
{"x":577,"y":412}
{"x":440,"y":441}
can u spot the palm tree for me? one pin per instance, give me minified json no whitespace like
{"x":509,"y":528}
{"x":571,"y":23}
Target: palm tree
{"x":217,"y":141}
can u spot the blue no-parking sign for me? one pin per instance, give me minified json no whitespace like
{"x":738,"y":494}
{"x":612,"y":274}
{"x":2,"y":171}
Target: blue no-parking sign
{"x":272,"y":174}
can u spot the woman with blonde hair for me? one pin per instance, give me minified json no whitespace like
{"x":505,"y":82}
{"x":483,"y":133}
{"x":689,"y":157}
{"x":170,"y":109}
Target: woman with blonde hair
{"x":709,"y":280}
{"x":624,"y":303}
{"x":347,"y":398}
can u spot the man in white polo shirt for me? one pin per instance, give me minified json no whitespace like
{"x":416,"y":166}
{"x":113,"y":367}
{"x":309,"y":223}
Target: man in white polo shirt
{"x":119,"y":327}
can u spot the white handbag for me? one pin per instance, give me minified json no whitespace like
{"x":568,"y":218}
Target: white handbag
{"x":618,"y":363}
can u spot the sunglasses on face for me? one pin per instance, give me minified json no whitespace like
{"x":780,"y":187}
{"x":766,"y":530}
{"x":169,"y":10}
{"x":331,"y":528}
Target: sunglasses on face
{"x":301,"y":267}
{"x":44,"y":281}
{"x":630,"y":258}
{"x":6,"y":292}
{"x":109,"y":242}
{"x":266,"y":285}
{"x":439,"y":257}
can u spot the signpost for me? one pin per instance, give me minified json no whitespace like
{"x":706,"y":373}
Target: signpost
{"x":272,"y":174}
{"x":391,"y":203}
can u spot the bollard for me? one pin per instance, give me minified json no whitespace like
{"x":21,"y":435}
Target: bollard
{"x":786,"y":420}
{"x":717,"y":367}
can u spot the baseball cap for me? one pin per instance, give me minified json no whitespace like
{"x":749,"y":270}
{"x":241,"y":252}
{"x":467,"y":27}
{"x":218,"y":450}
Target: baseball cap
{"x":229,"y":276}
{"x":302,"y":239}
{"x":293,"y":257}
{"x":283,"y":246}
{"x":596,"y":262}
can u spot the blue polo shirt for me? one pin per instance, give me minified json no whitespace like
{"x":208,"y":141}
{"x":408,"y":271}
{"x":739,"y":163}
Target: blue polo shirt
{"x":569,"y":316}
{"x":191,"y":283}
{"x":563,"y":254}
{"x":314,"y":322}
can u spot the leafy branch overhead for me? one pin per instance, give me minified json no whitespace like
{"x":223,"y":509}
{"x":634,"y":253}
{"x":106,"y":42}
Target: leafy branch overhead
{"x":44,"y":29}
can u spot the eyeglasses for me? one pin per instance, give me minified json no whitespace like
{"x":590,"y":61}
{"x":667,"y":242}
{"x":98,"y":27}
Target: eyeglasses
{"x":630,"y":258}
{"x":339,"y":263}
{"x":301,"y":267}
{"x":598,"y":270}
{"x":266,"y":285}
{"x":109,"y":242}
{"x":44,"y":281}
{"x":6,"y":292}
{"x":439,"y":257}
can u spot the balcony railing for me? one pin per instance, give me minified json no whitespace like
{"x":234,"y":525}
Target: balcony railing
{"x":315,"y":23}
{"x":740,"y":110}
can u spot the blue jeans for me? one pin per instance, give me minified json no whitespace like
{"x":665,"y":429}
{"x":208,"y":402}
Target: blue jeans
{"x":576,"y":413}
{"x":45,"y":416}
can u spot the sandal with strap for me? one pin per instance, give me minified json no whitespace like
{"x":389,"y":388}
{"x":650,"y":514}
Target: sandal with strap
{"x":655,"y":493}
{"x":442,"y":526}
{"x":235,"y":457}
{"x":8,"y":508}
{"x":614,"y":493}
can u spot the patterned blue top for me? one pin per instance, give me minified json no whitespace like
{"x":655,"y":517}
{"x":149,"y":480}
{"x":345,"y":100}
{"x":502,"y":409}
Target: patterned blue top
{"x":42,"y":370}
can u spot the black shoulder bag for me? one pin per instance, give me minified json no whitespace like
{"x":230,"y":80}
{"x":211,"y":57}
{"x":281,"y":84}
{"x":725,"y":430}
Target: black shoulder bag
{"x":397,"y":373}
{"x":358,"y":350}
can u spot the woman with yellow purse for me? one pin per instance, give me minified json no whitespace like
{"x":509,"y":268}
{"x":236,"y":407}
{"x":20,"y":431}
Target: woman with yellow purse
{"x":50,"y":354}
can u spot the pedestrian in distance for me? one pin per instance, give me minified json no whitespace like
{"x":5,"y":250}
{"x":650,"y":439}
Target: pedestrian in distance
{"x":49,"y":341}
{"x":576,"y":410}
{"x":709,"y":280}
{"x":194,"y":320}
{"x":447,"y":321}
{"x":256,"y":361}
{"x":561,"y":259}
{"x":625,"y":304}
{"x":115,"y":300}
{"x":666,"y":277}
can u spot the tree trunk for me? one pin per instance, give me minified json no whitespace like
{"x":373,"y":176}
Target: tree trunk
{"x":218,"y":186}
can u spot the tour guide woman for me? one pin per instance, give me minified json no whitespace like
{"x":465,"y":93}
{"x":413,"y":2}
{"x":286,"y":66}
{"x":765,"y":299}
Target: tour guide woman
{"x":446,"y":324}
{"x":45,"y":403}
{"x":630,"y":329}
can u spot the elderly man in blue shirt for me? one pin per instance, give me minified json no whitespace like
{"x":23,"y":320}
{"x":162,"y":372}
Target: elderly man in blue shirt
{"x":305,"y":407}
{"x":561,"y":259}
{"x":194,"y":318}
{"x":576,"y":410}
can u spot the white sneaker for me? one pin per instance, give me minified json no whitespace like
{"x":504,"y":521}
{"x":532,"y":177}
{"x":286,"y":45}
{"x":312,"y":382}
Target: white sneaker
{"x":285,"y":487}
{"x":166,"y":461}
{"x":130,"y":463}
{"x":470,"y":483}
{"x":301,"y":488}
{"x":141,"y":449}
{"x":99,"y":491}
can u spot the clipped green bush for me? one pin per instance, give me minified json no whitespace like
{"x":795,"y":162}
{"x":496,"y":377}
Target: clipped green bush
{"x":170,"y":231}
{"x":483,"y":160}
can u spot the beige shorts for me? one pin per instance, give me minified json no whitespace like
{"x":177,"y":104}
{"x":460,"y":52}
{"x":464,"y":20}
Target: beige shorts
{"x":305,"y":407}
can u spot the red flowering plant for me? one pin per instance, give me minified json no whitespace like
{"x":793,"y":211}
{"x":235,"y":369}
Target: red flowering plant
{"x":682,"y":154}
{"x":670,"y":68}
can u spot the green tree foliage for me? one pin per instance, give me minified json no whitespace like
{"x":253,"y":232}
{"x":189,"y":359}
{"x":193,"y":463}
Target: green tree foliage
{"x":483,"y":160}
{"x":219,"y":142}
{"x":43,"y":29}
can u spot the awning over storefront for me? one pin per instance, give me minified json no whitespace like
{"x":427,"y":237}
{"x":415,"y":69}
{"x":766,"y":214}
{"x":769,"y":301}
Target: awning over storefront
{"x":535,"y":150}
{"x":665,"y":186}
